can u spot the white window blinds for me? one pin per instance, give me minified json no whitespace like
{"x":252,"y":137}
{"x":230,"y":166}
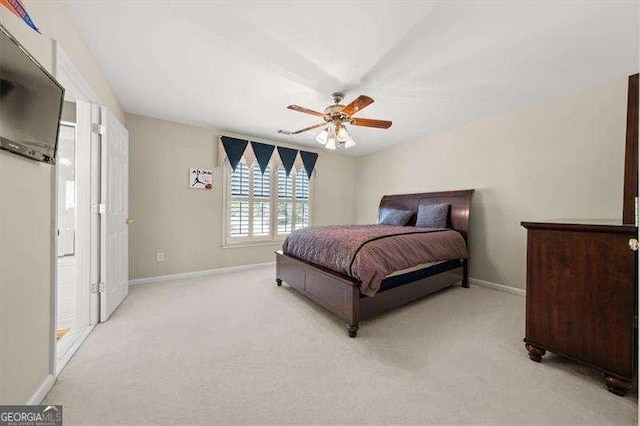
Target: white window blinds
{"x":239,"y":206}
{"x":265,"y":206}
{"x":261,"y":201}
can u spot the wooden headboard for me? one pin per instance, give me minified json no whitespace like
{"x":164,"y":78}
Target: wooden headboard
{"x":460,"y":206}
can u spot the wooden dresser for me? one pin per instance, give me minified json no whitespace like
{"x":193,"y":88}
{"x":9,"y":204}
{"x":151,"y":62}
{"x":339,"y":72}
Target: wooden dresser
{"x":581,"y":295}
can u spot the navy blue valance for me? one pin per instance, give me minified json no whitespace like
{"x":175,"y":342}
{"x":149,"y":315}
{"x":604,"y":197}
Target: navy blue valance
{"x":309,"y":161}
{"x":263,"y":153}
{"x":288,"y":158}
{"x":235,"y":149}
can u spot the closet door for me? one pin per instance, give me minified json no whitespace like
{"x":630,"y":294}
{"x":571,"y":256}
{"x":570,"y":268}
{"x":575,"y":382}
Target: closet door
{"x":114,"y":217}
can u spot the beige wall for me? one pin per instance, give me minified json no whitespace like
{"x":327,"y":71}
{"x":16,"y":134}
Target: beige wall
{"x":26,"y":218}
{"x":186,"y":224}
{"x":559,"y":159}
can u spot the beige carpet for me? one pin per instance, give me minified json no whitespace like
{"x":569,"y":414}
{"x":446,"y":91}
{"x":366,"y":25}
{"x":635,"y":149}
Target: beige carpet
{"x":235,"y":348}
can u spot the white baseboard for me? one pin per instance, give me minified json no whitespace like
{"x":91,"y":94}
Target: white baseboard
{"x":42,"y":390}
{"x":500,"y":287}
{"x":196,"y":274}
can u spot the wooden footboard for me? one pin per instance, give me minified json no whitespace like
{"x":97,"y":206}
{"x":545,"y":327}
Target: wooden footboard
{"x":341,"y":296}
{"x":399,"y":296}
{"x":334,"y":292}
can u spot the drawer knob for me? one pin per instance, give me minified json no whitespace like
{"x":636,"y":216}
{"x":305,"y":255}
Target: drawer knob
{"x":633,"y":244}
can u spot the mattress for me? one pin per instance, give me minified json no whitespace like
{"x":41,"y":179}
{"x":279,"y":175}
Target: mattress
{"x":414,"y":268}
{"x":418,"y":272}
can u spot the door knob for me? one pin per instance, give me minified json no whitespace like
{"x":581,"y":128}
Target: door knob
{"x":633,"y":244}
{"x":129,"y":221}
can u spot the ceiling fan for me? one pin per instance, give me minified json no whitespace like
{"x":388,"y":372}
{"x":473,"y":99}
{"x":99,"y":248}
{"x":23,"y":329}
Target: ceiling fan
{"x":335,"y":117}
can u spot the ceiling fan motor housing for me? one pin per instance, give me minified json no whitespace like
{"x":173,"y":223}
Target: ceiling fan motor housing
{"x":334,"y":112}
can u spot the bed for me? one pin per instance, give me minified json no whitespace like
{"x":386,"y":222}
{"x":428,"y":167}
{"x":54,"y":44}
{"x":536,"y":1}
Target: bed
{"x":350,"y":299}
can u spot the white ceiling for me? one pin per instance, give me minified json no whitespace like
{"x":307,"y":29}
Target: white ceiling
{"x":235,"y":66}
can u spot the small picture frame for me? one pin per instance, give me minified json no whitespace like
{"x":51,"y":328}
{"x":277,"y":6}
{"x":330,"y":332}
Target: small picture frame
{"x":201,"y":179}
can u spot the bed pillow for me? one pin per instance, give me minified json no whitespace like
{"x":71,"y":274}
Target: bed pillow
{"x":397,"y":217}
{"x":433,"y":216}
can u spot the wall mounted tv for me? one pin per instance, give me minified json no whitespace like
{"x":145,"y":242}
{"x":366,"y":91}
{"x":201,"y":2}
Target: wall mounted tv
{"x":30,"y":103}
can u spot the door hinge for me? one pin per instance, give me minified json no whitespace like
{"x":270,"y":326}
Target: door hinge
{"x":103,"y":287}
{"x":98,"y":128}
{"x":102,"y":208}
{"x":94,"y":287}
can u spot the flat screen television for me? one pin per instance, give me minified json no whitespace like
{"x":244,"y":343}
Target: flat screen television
{"x":30,"y":103}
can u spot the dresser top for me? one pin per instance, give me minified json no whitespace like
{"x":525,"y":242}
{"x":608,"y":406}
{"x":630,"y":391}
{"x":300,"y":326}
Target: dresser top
{"x":585,"y":225}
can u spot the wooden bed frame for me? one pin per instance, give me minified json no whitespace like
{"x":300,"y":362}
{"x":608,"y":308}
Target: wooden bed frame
{"x":340,"y":294}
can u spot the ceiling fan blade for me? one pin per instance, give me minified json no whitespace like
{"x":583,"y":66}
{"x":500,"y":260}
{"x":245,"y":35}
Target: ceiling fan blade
{"x":369,"y":122}
{"x":285,"y":132}
{"x":306,"y":110}
{"x":359,"y":103}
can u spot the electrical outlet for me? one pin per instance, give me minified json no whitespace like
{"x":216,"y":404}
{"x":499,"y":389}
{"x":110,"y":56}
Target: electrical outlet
{"x":159,"y":257}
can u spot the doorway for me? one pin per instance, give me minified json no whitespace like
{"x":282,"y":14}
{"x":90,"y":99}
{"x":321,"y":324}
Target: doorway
{"x":67,"y":301}
{"x":74,"y":307}
{"x":91,"y":265}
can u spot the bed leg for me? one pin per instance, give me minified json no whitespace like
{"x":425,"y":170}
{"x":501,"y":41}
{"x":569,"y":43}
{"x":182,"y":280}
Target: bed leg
{"x":465,"y":274}
{"x":353,"y":329}
{"x":279,"y":282}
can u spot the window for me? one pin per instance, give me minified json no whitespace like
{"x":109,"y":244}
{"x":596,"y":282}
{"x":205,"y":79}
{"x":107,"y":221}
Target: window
{"x":239,"y":206}
{"x":285,"y":201}
{"x":265,"y":207}
{"x":261,"y":201}
{"x":302,"y":200}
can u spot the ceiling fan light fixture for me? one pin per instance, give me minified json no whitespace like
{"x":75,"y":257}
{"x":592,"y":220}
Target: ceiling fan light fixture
{"x":349,"y":143}
{"x":331,"y":139}
{"x":343,"y":134}
{"x":322,"y":137}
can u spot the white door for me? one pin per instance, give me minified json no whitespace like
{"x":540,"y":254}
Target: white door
{"x":114,"y":264}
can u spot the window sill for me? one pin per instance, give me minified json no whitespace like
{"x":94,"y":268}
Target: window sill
{"x":246,"y":244}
